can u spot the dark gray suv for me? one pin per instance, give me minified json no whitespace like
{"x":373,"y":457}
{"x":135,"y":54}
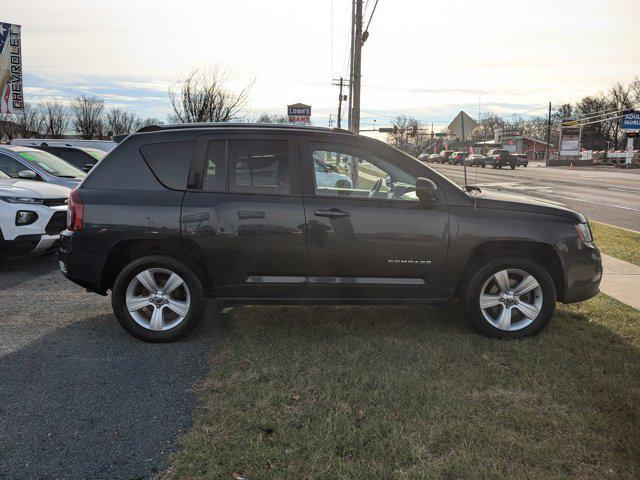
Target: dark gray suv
{"x":239,"y":213}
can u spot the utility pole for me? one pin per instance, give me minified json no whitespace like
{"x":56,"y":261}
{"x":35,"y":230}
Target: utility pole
{"x":341,"y":97}
{"x":357,"y":65}
{"x":353,"y":32}
{"x":546,"y":148}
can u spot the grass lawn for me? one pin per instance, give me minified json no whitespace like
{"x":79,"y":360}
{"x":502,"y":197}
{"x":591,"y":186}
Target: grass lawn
{"x":409,"y":392}
{"x":617,"y":242}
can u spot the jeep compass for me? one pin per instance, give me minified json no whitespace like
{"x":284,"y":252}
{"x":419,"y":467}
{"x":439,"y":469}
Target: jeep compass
{"x":242,"y":214}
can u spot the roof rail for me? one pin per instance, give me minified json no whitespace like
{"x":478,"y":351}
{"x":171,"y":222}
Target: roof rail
{"x":284,"y":126}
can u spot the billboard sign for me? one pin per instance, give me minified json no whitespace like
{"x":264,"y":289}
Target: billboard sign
{"x":570,"y":141}
{"x":299,"y":113}
{"x":630,"y":121}
{"x":12,"y":99}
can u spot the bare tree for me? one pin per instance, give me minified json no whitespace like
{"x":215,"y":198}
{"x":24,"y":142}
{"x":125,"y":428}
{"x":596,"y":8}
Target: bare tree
{"x":487,"y":124}
{"x":204,"y":97}
{"x":619,"y":97}
{"x":118,"y":121}
{"x":8,"y":126}
{"x":272,"y":118}
{"x":635,"y":91}
{"x":87,"y":116}
{"x":147,"y":122}
{"x":31,"y":123}
{"x":55,"y":118}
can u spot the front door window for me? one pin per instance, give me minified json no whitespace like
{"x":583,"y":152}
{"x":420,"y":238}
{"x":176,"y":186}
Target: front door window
{"x":347,"y":172}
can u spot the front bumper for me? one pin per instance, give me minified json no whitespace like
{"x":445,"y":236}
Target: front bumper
{"x":30,"y":245}
{"x":582,"y":266}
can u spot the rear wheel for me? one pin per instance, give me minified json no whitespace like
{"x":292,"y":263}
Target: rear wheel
{"x":158,"y":298}
{"x":510,"y":297}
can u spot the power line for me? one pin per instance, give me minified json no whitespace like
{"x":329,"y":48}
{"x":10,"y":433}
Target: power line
{"x":331,"y":13}
{"x":372,"y":12}
{"x":521,"y":113}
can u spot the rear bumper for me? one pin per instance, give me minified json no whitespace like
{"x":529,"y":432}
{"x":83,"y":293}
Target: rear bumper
{"x":79,"y":267}
{"x":582,"y":265}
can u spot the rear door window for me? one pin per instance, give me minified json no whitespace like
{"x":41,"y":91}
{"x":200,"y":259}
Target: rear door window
{"x":259,"y":166}
{"x":169,"y":162}
{"x":214,"y":173}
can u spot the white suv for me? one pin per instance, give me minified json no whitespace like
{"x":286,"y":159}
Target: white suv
{"x":32,"y":215}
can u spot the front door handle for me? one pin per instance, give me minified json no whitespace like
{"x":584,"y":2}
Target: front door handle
{"x":333,"y":213}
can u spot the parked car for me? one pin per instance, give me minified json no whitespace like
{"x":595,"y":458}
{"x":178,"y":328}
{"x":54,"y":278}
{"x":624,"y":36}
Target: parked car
{"x":329,"y":176}
{"x":433,"y":158}
{"x":444,"y":156}
{"x":102,"y":145}
{"x":457,"y":158}
{"x":476,"y":160}
{"x":32,"y":215}
{"x":521,"y":159}
{"x":501,"y":158}
{"x":182,"y":225}
{"x":83,"y":158}
{"x":423,"y":157}
{"x":33,"y":164}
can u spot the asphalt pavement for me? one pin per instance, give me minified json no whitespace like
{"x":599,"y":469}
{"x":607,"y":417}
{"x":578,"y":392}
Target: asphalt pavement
{"x":79,"y":397}
{"x":605,"y":194}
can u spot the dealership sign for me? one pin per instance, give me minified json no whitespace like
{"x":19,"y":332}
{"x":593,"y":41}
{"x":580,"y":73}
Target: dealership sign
{"x":12,"y":99}
{"x":570,"y":141}
{"x":299,"y":113}
{"x":630,"y":121}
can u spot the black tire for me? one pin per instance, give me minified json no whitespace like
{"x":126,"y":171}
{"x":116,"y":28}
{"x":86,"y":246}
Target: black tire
{"x":483,"y":165}
{"x":513,"y":167}
{"x":191,"y":279}
{"x":470,"y":296}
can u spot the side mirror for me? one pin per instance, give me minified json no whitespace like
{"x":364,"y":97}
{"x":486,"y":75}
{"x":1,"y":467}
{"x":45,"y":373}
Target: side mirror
{"x":426,"y":190}
{"x":27,"y":174}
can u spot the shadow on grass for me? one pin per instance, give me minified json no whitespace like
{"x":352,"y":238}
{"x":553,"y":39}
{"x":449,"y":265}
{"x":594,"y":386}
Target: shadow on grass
{"x":404,"y":392}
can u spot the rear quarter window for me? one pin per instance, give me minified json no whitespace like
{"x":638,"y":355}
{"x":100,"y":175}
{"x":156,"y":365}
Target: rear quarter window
{"x":169,"y":162}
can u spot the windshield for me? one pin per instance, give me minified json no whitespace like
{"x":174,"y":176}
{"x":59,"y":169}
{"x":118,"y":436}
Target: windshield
{"x":95,"y":153}
{"x":51,"y":164}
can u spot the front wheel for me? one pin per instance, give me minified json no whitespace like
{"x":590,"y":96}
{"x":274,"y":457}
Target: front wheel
{"x":510,"y":297}
{"x":157,"y":298}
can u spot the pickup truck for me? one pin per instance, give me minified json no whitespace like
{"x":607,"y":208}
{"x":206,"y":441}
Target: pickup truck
{"x":502,"y":158}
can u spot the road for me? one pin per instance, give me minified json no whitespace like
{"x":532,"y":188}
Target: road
{"x":79,"y":397}
{"x":600,"y":193}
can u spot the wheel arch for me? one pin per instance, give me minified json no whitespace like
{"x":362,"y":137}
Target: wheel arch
{"x":543,"y":253}
{"x":126,"y":251}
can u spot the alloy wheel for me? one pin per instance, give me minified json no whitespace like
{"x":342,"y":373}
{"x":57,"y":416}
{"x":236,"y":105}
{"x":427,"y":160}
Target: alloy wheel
{"x":511,"y":299}
{"x":158,"y":299}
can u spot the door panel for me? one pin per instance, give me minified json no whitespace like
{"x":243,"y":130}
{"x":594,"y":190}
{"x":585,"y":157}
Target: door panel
{"x":247,"y":240}
{"x":383,"y":247}
{"x":253,"y":240}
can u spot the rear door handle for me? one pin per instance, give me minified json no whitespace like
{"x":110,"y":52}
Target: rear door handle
{"x":333,"y":213}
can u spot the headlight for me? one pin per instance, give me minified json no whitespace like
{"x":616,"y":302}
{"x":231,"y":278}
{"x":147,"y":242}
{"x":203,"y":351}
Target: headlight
{"x":584,"y":232}
{"x":31,"y":201}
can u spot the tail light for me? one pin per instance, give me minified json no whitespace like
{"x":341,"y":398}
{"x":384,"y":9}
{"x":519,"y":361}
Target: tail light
{"x":75,"y":211}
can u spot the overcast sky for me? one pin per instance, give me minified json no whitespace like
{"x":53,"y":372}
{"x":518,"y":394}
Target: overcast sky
{"x":425,"y":58}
